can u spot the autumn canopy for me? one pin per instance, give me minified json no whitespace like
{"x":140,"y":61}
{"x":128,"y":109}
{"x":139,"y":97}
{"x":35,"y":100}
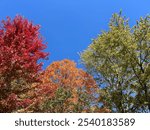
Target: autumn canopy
{"x":116,"y":79}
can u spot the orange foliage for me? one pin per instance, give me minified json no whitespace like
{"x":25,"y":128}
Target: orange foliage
{"x":65,"y":74}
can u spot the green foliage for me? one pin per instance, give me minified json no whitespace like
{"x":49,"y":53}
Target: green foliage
{"x":62,"y":102}
{"x":58,"y":103}
{"x":119,"y":61}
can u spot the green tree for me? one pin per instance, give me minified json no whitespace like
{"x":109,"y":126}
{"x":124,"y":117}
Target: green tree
{"x":119,"y":60}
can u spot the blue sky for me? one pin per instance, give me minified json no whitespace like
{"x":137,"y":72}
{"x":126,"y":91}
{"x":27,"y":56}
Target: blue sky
{"x":69,"y":25}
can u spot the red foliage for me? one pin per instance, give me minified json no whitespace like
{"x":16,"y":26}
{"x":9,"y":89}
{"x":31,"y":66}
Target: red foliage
{"x":21,"y":46}
{"x":25,"y":103}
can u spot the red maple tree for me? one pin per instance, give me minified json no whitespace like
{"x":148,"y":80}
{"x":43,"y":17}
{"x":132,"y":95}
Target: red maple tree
{"x":21,"y":46}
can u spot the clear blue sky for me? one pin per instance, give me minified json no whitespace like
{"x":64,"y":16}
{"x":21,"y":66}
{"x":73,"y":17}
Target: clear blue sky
{"x":69,"y":25}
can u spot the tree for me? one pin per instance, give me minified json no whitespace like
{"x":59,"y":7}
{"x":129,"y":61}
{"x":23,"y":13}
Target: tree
{"x":21,"y":46}
{"x":65,"y":88}
{"x":119,"y":60}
